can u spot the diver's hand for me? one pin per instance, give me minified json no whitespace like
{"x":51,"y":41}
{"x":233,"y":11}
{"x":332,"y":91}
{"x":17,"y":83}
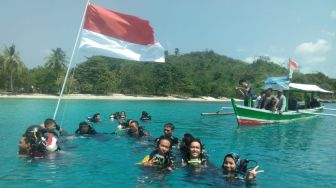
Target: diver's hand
{"x":252,"y":174}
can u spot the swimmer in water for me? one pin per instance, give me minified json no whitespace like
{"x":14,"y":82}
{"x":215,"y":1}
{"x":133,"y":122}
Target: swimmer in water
{"x":235,"y":168}
{"x":85,"y":129}
{"x":135,"y":130}
{"x":161,"y":157}
{"x":168,"y":130}
{"x":195,"y":156}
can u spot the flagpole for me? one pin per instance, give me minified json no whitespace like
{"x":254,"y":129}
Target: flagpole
{"x":290,"y":71}
{"x":74,"y":51}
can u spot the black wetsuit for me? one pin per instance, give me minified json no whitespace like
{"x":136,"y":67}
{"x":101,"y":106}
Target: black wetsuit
{"x":162,"y":161}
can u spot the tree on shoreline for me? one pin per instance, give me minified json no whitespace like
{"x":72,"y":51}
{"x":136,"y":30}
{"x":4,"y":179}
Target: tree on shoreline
{"x":194,"y":74}
{"x":12,"y":65}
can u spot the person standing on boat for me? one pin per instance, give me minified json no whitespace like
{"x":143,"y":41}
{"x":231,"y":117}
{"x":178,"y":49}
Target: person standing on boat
{"x":246,"y":90}
{"x":269,"y":102}
{"x":259,"y":99}
{"x":281,"y":103}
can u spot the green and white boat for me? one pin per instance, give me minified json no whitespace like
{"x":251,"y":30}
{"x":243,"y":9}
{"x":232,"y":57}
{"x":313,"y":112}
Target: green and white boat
{"x":253,"y":116}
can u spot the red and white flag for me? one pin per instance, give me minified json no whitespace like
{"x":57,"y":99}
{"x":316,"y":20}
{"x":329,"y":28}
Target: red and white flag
{"x":118,"y":35}
{"x":292,"y":65}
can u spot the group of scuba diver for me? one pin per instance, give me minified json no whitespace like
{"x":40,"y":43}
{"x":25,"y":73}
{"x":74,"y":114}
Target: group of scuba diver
{"x":193,"y":155}
{"x":40,"y":140}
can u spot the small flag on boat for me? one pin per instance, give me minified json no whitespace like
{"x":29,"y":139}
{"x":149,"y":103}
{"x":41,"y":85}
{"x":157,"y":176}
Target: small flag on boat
{"x":118,"y":35}
{"x":292,"y":65}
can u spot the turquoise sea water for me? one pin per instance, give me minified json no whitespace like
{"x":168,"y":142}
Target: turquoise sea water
{"x":300,"y":154}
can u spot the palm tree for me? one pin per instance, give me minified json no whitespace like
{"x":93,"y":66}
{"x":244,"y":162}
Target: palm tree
{"x":56,"y":62}
{"x":12,"y":64}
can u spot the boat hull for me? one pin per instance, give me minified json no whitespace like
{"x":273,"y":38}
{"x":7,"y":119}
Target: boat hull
{"x":254,"y":117}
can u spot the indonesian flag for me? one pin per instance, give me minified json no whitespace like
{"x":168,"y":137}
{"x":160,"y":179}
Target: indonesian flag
{"x":113,"y":34}
{"x":292,"y":65}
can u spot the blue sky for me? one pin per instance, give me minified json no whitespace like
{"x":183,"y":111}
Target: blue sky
{"x":304,"y":30}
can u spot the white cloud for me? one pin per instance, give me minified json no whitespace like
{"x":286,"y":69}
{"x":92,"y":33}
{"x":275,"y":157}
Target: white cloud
{"x":328,"y":33}
{"x":310,"y":48}
{"x":249,"y":59}
{"x":240,"y":50}
{"x":333,"y":14}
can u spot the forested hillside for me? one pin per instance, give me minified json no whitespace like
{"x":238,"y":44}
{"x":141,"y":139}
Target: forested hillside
{"x":189,"y":75}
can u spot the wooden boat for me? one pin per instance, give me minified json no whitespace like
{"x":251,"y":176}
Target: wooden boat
{"x":253,"y":116}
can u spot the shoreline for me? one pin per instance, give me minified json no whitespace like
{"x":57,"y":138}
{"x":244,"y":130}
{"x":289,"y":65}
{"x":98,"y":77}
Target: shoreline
{"x":114,"y":97}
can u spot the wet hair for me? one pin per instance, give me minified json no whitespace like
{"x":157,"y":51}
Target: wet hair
{"x":95,"y":115}
{"x":49,"y":121}
{"x":170,"y":125}
{"x":132,"y":131}
{"x":199,"y":141}
{"x":165,"y":138}
{"x":24,"y":151}
{"x":187,"y":138}
{"x":185,"y":142}
{"x":93,"y":118}
{"x":202,"y":156}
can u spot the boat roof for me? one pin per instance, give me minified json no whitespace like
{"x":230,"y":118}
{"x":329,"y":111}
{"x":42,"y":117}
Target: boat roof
{"x":283,"y":83}
{"x":307,"y":87}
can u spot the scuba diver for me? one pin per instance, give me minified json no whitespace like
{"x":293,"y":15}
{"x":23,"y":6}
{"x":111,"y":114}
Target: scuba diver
{"x":184,"y":144}
{"x":235,"y":168}
{"x":168,"y":130}
{"x":95,"y":118}
{"x":195,"y":156}
{"x":135,"y":130}
{"x":114,"y":116}
{"x":161,"y":157}
{"x":37,"y":141}
{"x":85,"y":129}
{"x":51,"y":126}
{"x":145,"y":116}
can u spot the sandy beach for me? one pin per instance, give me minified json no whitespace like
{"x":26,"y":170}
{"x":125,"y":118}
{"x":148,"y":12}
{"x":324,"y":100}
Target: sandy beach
{"x":114,"y":97}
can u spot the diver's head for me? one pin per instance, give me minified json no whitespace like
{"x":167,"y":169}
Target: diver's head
{"x":187,"y":138}
{"x":96,"y":117}
{"x":50,"y":124}
{"x":231,"y":162}
{"x":133,"y":128}
{"x":24,"y":146}
{"x":122,"y":114}
{"x":164,"y":145}
{"x":84,"y":127}
{"x":168,"y":129}
{"x":195,"y":148}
